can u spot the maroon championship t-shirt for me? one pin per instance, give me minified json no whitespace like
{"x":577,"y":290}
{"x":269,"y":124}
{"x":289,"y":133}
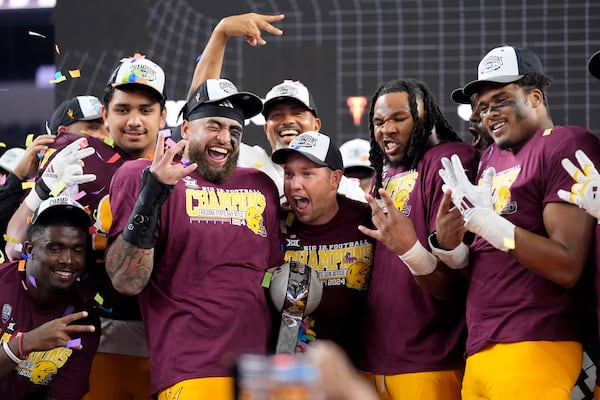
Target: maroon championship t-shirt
{"x":343,"y":257}
{"x":95,"y":283}
{"x":204,"y":304}
{"x":407,"y":329}
{"x":507,"y":302}
{"x":60,"y":373}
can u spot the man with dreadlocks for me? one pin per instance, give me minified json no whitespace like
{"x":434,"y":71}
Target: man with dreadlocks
{"x":415,"y":328}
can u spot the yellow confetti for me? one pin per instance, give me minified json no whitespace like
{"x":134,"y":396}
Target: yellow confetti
{"x":109,"y":141}
{"x":58,"y":189}
{"x":2,"y":144}
{"x":57,"y":49}
{"x":99,"y":299}
{"x":547,"y":132}
{"x":59,"y":80}
{"x":28,"y":139}
{"x":75,"y":73}
{"x":509,"y":243}
{"x":27,"y":185}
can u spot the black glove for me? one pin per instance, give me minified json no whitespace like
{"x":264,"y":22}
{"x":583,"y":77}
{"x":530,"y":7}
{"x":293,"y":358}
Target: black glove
{"x":140,"y":228}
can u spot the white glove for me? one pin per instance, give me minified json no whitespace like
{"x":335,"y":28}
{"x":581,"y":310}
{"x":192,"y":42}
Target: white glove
{"x":465,"y":195}
{"x":65,"y":169}
{"x":585,"y":193}
{"x":475,"y":204}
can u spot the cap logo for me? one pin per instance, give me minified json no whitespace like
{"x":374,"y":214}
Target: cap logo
{"x":303,"y":141}
{"x":138,"y":72}
{"x":227,"y":87}
{"x":226,"y":103}
{"x":491,"y":63}
{"x":71,"y":113}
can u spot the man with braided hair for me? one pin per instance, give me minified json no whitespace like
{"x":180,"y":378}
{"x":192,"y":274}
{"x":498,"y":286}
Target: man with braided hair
{"x":414,"y":337}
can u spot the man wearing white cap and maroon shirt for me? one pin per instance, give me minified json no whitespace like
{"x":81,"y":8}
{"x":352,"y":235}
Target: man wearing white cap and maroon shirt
{"x":134,"y":111}
{"x":321,"y":218}
{"x":194,"y":239}
{"x":531,"y":248}
{"x":289,"y":108}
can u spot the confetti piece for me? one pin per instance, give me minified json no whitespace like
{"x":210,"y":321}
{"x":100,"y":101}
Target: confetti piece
{"x":266,"y":281}
{"x":21,"y":266}
{"x":48,"y":129}
{"x":185,"y":163}
{"x":10,"y":239}
{"x":74,"y":343}
{"x":2,"y":144}
{"x":99,"y":299}
{"x":114,"y":158}
{"x":75,"y":73}
{"x":58,"y":77}
{"x":24,"y":285}
{"x":28,"y":139}
{"x":27,"y":185}
{"x":24,"y":256}
{"x":56,"y":49}
{"x":32,"y":33}
{"x":3,"y":89}
{"x":58,"y":189}
{"x":165,"y":132}
{"x":170,"y":142}
{"x":109,"y":141}
{"x":98,"y":191}
{"x":79,"y":195}
{"x":32,"y":280}
{"x":69,"y":310}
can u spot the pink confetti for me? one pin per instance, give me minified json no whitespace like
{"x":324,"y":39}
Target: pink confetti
{"x":74,"y":343}
{"x":170,"y":142}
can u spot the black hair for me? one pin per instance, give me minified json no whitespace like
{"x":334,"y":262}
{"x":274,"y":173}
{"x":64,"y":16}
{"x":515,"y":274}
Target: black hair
{"x":535,"y":80}
{"x":109,"y":91}
{"x":422,"y":128}
{"x":60,"y":217}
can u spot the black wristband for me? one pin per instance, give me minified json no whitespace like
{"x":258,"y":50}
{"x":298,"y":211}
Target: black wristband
{"x":42,"y":190}
{"x":141,"y":225}
{"x":434,"y":242}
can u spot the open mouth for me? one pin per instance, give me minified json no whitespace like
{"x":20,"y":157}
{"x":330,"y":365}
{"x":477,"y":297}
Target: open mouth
{"x":218,"y":154}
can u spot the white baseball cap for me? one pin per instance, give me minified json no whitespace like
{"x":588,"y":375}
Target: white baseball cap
{"x":139,"y":70}
{"x":10,"y":158}
{"x":315,"y":146}
{"x":355,"y":153}
{"x":61,"y":204}
{"x":504,"y":64}
{"x":289,"y":90}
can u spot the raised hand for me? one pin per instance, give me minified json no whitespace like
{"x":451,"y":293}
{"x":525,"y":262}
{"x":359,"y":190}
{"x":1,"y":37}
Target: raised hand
{"x":55,"y":333}
{"x":250,"y":26}
{"x":585,"y":192}
{"x":65,"y":169}
{"x":393,"y":228}
{"x":163,"y":167}
{"x":466,"y":195}
{"x":29,"y":164}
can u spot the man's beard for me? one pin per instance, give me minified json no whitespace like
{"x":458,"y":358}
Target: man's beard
{"x":208,"y":171}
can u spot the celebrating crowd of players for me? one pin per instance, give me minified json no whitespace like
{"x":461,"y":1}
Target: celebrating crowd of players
{"x":134,"y":269}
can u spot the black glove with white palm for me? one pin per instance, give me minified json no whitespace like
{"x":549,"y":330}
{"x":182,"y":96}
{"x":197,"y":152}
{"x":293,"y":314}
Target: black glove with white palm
{"x":65,"y":169}
{"x":475,"y":204}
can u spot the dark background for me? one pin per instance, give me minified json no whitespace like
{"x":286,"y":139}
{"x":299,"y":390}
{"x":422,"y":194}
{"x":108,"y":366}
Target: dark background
{"x":337,"y":49}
